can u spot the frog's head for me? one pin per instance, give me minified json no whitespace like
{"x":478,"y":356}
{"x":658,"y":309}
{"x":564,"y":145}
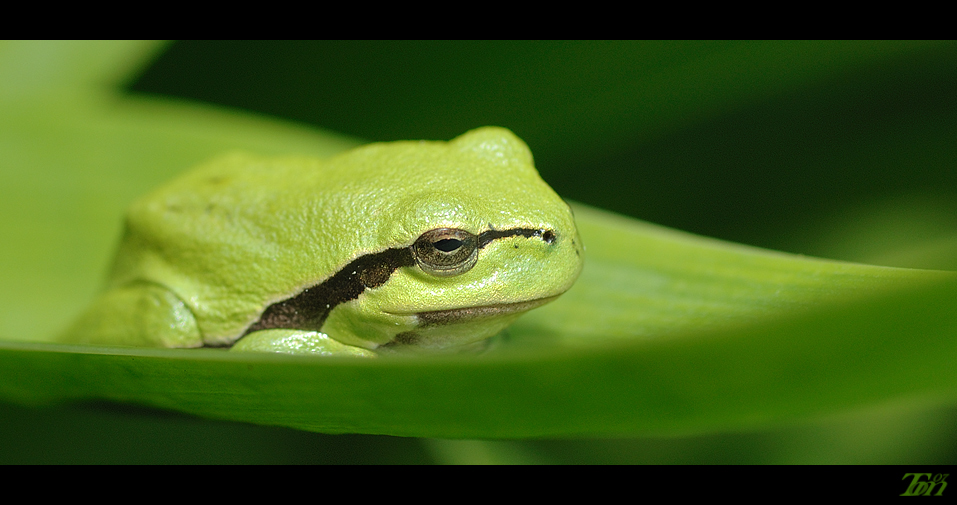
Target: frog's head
{"x":478,"y":239}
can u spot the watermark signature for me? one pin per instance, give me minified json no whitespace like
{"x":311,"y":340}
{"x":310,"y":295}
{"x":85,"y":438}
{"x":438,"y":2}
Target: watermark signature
{"x":925,"y":487}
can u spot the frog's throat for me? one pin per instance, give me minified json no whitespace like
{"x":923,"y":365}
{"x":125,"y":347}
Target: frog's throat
{"x":309,"y":309}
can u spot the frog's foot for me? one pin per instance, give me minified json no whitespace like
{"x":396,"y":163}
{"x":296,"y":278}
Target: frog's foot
{"x":136,"y":314}
{"x":286,"y":341}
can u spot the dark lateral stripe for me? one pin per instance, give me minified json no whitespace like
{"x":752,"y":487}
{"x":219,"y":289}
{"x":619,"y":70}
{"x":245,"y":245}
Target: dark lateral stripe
{"x":309,"y":309}
{"x":487,"y":237}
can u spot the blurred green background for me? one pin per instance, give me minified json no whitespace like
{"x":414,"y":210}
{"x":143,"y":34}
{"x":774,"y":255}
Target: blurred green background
{"x":844,"y":150}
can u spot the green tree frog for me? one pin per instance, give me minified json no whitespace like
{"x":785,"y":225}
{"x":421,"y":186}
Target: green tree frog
{"x":398,"y":247}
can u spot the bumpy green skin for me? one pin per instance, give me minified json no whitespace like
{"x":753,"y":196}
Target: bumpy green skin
{"x":203,"y":256}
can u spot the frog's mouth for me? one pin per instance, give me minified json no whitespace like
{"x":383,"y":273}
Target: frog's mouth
{"x":456,"y":330}
{"x":469,"y":314}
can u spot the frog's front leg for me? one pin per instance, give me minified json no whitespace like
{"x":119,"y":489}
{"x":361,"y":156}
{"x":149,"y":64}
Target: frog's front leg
{"x":297,"y":342}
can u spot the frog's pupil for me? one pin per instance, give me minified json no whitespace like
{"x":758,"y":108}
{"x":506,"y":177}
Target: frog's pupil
{"x":447,"y":244}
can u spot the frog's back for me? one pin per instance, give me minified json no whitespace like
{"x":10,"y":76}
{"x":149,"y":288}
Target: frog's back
{"x":235,"y":234}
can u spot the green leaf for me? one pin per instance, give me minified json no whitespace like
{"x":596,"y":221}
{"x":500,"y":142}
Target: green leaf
{"x":665,"y":332}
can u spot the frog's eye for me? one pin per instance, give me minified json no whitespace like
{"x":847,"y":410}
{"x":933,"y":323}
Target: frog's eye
{"x":444,"y":252}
